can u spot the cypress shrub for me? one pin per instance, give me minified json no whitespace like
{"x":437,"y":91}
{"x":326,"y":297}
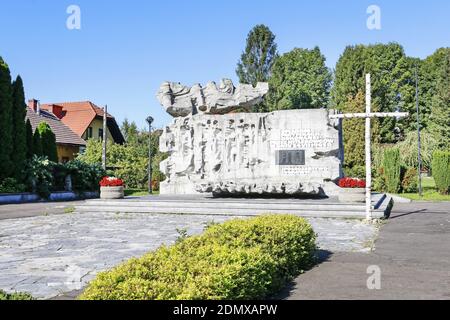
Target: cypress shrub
{"x":441,"y":171}
{"x":48,"y":141}
{"x":29,"y":139}
{"x":6,"y":122}
{"x":37,"y":144}
{"x":392,"y":170}
{"x":19,"y":138}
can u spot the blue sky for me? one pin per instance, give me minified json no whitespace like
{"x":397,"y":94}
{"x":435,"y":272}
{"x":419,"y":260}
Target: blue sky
{"x":125,"y":49}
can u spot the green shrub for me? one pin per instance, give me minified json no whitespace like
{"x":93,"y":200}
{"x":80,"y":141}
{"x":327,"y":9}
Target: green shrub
{"x":85,"y":177}
{"x":38,"y":172}
{"x":410,"y":180}
{"x":392,"y":170}
{"x":10,"y":185}
{"x":441,"y":171}
{"x":15,"y":296}
{"x":239,"y":259}
{"x":355,"y":172}
{"x":379,"y":180}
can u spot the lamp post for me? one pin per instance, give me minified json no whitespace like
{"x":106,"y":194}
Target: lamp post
{"x":150,"y":121}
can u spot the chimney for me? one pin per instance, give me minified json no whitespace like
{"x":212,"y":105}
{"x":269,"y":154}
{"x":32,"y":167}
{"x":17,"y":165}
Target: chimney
{"x":33,"y":104}
{"x":57,"y":111}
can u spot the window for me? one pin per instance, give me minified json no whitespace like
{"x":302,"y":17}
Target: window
{"x":89,"y":133}
{"x":100,"y":134}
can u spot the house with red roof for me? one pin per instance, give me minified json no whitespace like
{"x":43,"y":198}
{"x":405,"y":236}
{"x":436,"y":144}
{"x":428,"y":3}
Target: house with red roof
{"x":84,"y":119}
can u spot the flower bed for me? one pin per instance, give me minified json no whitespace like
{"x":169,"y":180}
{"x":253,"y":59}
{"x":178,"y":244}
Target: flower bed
{"x":240,"y":259}
{"x":112,"y":188}
{"x":352,"y":190}
{"x":352,"y":183}
{"x":111,"y":182}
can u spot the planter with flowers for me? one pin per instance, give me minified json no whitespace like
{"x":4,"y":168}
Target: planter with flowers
{"x":352,"y":190}
{"x":111,"y":188}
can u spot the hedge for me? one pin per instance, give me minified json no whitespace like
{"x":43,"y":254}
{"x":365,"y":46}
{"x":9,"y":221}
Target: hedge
{"x":441,"y":171}
{"x":392,"y":170}
{"x":239,"y":259}
{"x":15,"y":296}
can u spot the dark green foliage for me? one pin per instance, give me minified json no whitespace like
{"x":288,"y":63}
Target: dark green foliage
{"x":29,"y":139}
{"x":6,"y":122}
{"x":15,"y":296}
{"x":37,"y":144}
{"x":441,"y":171}
{"x":85,"y":177}
{"x":19,"y":154}
{"x":39,"y":175}
{"x":239,"y":259}
{"x":299,"y":80}
{"x":48,"y":141}
{"x":10,"y":185}
{"x":259,"y":56}
{"x":392,"y":170}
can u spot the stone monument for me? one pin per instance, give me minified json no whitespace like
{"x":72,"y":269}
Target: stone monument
{"x":213,"y":149}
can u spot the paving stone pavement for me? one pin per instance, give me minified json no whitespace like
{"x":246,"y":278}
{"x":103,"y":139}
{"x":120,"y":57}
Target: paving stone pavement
{"x":53,"y":255}
{"x":412,"y":254}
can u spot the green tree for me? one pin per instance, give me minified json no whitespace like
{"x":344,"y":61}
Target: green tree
{"x":130,"y":160}
{"x":29,"y":139}
{"x":393,"y":84}
{"x":130,"y":131}
{"x":37,"y":144}
{"x":19,"y":154}
{"x":48,"y":141}
{"x":354,"y":138}
{"x":299,"y":80}
{"x":440,"y":102}
{"x":259,"y":56}
{"x":257,"y":60}
{"x":6,"y":122}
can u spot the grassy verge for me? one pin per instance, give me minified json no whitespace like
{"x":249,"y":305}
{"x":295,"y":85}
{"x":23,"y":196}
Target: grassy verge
{"x":429,"y":192}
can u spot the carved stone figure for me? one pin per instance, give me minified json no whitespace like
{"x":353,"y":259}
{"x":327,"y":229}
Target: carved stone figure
{"x":181,"y":101}
{"x":292,"y":152}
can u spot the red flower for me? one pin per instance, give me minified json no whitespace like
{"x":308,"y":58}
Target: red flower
{"x":351,"y":183}
{"x":111,"y":182}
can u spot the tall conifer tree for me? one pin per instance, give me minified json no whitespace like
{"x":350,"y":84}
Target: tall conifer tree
{"x":6,"y":120}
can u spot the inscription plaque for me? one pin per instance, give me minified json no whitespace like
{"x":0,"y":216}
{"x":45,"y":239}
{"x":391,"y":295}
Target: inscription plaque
{"x":291,"y":158}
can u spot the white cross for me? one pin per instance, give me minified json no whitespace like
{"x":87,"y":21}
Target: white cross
{"x":368,"y":115}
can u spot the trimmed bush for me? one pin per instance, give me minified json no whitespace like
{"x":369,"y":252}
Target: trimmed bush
{"x":410,"y":180}
{"x":441,"y":171}
{"x":239,"y":259}
{"x":15,"y":296}
{"x":392,"y":170}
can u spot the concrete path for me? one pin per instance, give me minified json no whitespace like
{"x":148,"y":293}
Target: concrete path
{"x":26,"y":210}
{"x":412,"y":252}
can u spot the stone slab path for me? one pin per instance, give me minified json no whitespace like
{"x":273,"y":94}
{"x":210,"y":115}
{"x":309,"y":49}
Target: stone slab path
{"x":49,"y":256}
{"x":412,"y":253}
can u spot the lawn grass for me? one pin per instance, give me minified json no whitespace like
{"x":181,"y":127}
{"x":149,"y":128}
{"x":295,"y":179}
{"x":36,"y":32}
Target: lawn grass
{"x":429,"y":192}
{"x":138,"y":192}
